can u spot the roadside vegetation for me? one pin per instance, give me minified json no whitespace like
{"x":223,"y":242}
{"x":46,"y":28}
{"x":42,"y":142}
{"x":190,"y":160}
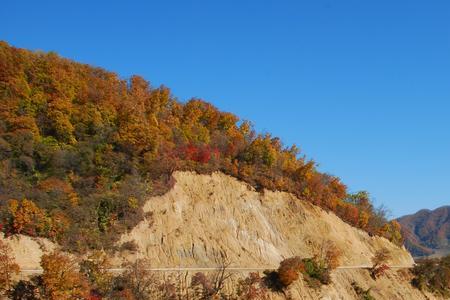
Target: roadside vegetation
{"x":379,"y":263}
{"x":66,"y":277}
{"x":433,"y":275}
{"x":81,"y":149}
{"x":316,"y":271}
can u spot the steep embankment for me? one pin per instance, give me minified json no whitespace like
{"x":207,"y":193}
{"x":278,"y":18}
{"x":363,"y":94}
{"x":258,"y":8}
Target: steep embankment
{"x":204,"y":214}
{"x":27,"y":251}
{"x":427,"y":232}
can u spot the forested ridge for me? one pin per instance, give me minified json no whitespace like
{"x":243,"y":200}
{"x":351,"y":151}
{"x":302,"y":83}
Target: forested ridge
{"x":81,"y":148}
{"x":427,"y":232}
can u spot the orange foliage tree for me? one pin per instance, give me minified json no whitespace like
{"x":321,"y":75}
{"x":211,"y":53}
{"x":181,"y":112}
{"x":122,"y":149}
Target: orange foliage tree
{"x":26,"y":217}
{"x":61,"y":278}
{"x":8,"y":267}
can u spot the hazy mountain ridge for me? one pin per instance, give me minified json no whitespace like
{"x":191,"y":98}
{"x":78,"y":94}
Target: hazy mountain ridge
{"x":427,"y":232}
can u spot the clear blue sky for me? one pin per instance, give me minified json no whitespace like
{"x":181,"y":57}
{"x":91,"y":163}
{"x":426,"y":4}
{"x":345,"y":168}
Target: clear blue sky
{"x":363,"y":87}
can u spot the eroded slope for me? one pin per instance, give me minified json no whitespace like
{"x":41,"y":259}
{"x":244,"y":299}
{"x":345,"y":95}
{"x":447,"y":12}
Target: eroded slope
{"x":204,"y":214}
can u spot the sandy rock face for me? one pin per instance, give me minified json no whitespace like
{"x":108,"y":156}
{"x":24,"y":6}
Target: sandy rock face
{"x":27,"y":251}
{"x":203,"y":215}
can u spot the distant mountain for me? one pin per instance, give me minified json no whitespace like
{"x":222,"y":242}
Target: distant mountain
{"x":427,"y":232}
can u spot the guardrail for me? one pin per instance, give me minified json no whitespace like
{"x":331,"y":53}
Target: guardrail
{"x":229,"y":269}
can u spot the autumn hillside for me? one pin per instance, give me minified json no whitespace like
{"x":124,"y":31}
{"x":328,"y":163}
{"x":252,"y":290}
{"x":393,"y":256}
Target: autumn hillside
{"x":81,"y":148}
{"x":427,"y":232}
{"x":208,"y":221}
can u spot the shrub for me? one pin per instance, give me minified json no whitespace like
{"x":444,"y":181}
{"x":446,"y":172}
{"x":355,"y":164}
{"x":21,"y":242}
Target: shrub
{"x":202,"y":286}
{"x":379,"y":271}
{"x":129,"y":246}
{"x":272,"y":281}
{"x":316,"y":273}
{"x":316,"y":270}
{"x":362,"y":293}
{"x":136,"y":281}
{"x":289,"y":270}
{"x":207,"y":287}
{"x":252,"y":287}
{"x":328,"y":256}
{"x":379,"y":260}
{"x":170,"y":291}
{"x":25,"y":290}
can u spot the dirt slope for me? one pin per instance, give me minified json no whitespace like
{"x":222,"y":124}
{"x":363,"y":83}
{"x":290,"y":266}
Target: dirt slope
{"x":204,"y":214}
{"x":27,"y":251}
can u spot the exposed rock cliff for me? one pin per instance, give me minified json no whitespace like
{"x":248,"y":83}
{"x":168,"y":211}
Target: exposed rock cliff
{"x":204,"y":214}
